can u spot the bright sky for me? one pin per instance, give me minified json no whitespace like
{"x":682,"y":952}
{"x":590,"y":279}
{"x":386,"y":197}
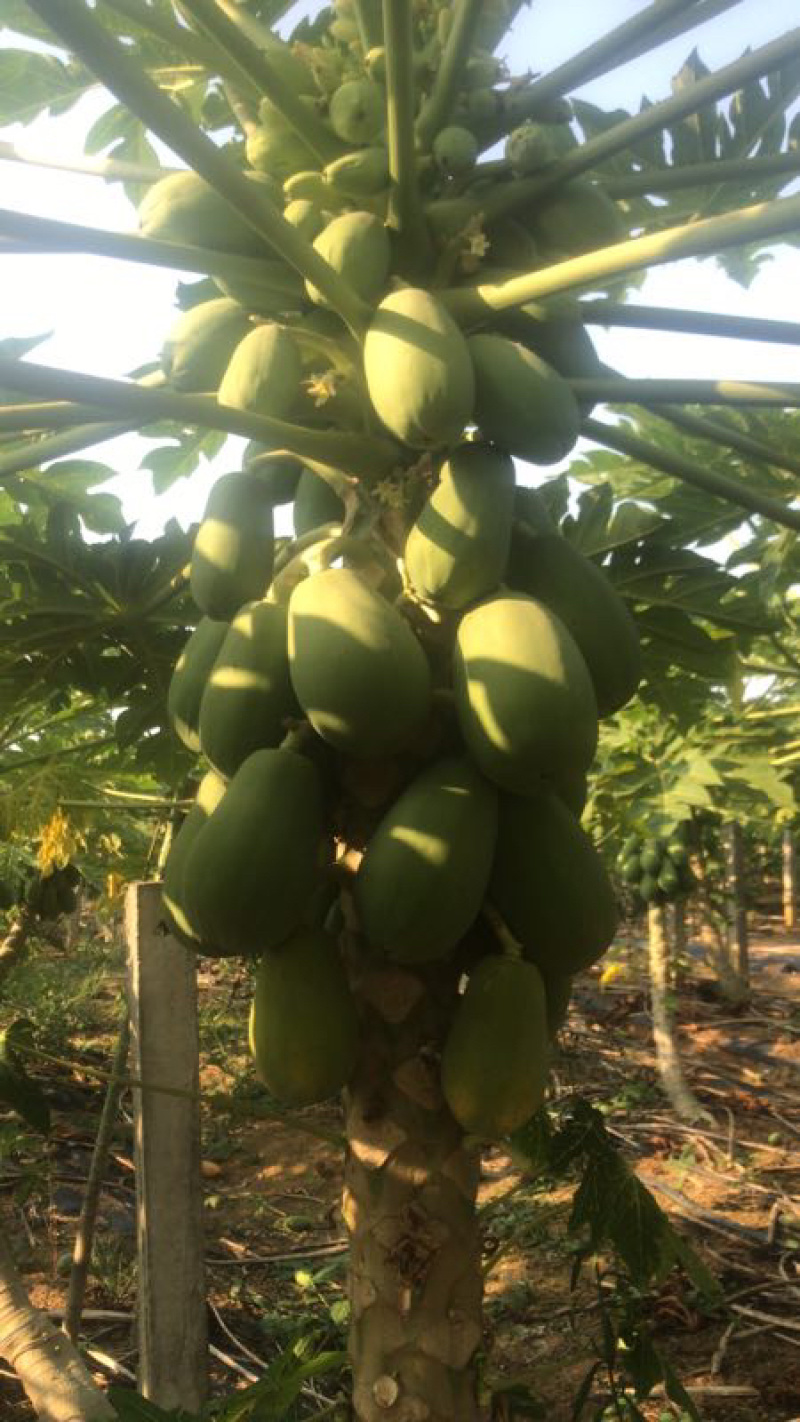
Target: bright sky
{"x":108,"y":317}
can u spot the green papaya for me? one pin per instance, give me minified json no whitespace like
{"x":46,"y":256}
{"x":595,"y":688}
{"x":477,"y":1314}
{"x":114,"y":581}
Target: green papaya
{"x":361,"y":174}
{"x":631,"y":869}
{"x":550,"y":885}
{"x":523,"y":695}
{"x":532,"y":145}
{"x":418,"y":369}
{"x":649,"y":890}
{"x":521,"y":402}
{"x":189,"y":678}
{"x":357,"y":111}
{"x":669,"y":880}
{"x":651,"y":858}
{"x":248,"y":696}
{"x":315,"y":503}
{"x":561,"y":341}
{"x":571,"y":787}
{"x":455,"y":150}
{"x":255,"y":863}
{"x":201,"y":343}
{"x":423,"y":876}
{"x":558,"y":992}
{"x":263,"y":375}
{"x":184,"y":208}
{"x":278,"y":290}
{"x":275,"y":147}
{"x":678,"y":852}
{"x":632,"y":845}
{"x":495,"y":1057}
{"x":577,"y":218}
{"x":173,"y":899}
{"x":305,"y":216}
{"x":358,"y":671}
{"x":303,"y":1020}
{"x":233,"y":552}
{"x":549,"y":568}
{"x":531,"y":510}
{"x":356,"y":245}
{"x":279,"y":474}
{"x":458,"y":548}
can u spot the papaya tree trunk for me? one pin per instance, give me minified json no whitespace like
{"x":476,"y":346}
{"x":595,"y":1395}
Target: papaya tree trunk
{"x":737,"y":910}
{"x":676,"y":1088}
{"x":47,"y":1364}
{"x":415,"y":1282}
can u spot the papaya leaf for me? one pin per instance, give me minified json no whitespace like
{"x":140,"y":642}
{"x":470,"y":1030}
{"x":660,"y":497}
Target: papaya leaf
{"x":18,"y":346}
{"x":35,"y":83}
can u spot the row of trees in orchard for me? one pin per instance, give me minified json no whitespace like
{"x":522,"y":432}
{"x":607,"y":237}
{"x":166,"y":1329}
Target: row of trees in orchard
{"x":402,"y":758}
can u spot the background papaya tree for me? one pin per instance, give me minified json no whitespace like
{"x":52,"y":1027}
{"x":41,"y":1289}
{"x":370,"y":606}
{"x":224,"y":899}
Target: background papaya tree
{"x":503,"y":252}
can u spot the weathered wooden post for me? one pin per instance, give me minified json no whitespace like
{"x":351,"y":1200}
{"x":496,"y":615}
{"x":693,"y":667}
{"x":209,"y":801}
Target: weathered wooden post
{"x":173,"y":1340}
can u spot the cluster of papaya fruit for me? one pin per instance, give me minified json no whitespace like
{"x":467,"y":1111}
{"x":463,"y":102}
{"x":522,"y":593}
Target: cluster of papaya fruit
{"x":47,"y":896}
{"x":397,"y":707}
{"x":658,"y":870}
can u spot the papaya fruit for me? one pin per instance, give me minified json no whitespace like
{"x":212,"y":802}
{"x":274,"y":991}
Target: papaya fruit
{"x":418,"y":369}
{"x":455,"y":150}
{"x":571,"y":787}
{"x":233,"y":552}
{"x":577,"y":218}
{"x":254,"y":865}
{"x":558,"y":991}
{"x":263,"y":374}
{"x":669,"y":880}
{"x":531,"y":145}
{"x":201,"y":343}
{"x":523,"y":695}
{"x":275,"y":147}
{"x":315,"y":503}
{"x":361,"y":174}
{"x":305,"y":216}
{"x":649,"y":890}
{"x":561,"y":341}
{"x":423,"y":876}
{"x":303,"y":1021}
{"x":356,"y":245}
{"x":184,"y":208}
{"x":631,"y":869}
{"x":189,"y":678}
{"x":280,"y":289}
{"x":550,"y":885}
{"x":279,"y":474}
{"x":248,"y":696}
{"x":358,"y":671}
{"x":677,"y":852}
{"x":549,"y":568}
{"x":173,"y":900}
{"x":495,"y":1056}
{"x":531,"y":511}
{"x":357,"y":111}
{"x":458,"y":548}
{"x":521,"y":402}
{"x":651,"y":858}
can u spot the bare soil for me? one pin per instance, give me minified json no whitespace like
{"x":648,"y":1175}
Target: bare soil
{"x":275,"y":1240}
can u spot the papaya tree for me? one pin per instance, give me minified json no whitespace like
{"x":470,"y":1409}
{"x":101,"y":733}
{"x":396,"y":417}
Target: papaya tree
{"x":395,"y":709}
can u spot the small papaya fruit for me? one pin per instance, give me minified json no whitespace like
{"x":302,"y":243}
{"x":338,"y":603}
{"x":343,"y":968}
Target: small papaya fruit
{"x":189,"y":678}
{"x":263,"y":374}
{"x":458,"y":547}
{"x":184,"y":208}
{"x":233,"y":552}
{"x":356,"y":245}
{"x":418,"y":368}
{"x":248,"y":696}
{"x":315,"y":503}
{"x":201,"y":343}
{"x":361,"y":174}
{"x":357,"y":111}
{"x":173,"y":899}
{"x":521,"y":402}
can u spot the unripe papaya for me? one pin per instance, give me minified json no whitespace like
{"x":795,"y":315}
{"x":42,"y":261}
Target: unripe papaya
{"x":315,"y":504}
{"x":651,"y":858}
{"x":279,"y":474}
{"x":201,"y":343}
{"x":558,"y":991}
{"x":418,"y":368}
{"x":357,"y":111}
{"x":256,"y":862}
{"x":571,"y":787}
{"x":303,"y":1020}
{"x":494,"y":1062}
{"x":521,"y":403}
{"x":305,"y":216}
{"x":550,"y":885}
{"x":458,"y":548}
{"x":184,"y":208}
{"x":523,"y":695}
{"x":425,"y":870}
{"x":275,"y":147}
{"x":562,"y":342}
{"x":189,"y":679}
{"x":263,"y":374}
{"x":248,"y":696}
{"x":173,"y":899}
{"x":577,"y":218}
{"x":358,"y":671}
{"x":361,"y":174}
{"x":280,"y":290}
{"x":550,"y":569}
{"x":455,"y":150}
{"x":233,"y":551}
{"x":356,"y":245}
{"x":532,"y":145}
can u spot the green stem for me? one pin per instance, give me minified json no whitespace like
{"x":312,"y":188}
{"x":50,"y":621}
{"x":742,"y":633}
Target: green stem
{"x":132,"y":86}
{"x":256,"y":68}
{"x":370,"y":23}
{"x":110,"y":168}
{"x":176,"y":36}
{"x":406,"y":213}
{"x":369,"y":457}
{"x":730,"y":438}
{"x":691,"y":473}
{"x":630,"y":131}
{"x":698,"y":323}
{"x":721,"y":170}
{"x":46,"y":415}
{"x":621,"y":390}
{"x":473,"y":305}
{"x":438,"y":106}
{"x":47,"y":234}
{"x":37,"y":452}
